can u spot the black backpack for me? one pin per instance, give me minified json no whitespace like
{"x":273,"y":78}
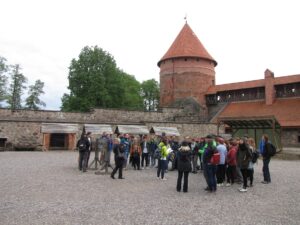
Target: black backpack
{"x":82,"y":145}
{"x":255,"y":156}
{"x":272,"y":150}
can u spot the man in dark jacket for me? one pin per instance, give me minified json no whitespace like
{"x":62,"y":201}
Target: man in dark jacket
{"x":83,"y":146}
{"x":119,"y":151}
{"x":266,"y":159}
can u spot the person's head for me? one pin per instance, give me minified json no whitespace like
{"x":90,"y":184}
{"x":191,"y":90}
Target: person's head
{"x":251,"y":142}
{"x":208,"y":138}
{"x":220,"y":140}
{"x":243,"y":141}
{"x":165,"y":141}
{"x":233,"y":142}
{"x":116,"y":141}
{"x":210,"y":142}
{"x":265,"y":138}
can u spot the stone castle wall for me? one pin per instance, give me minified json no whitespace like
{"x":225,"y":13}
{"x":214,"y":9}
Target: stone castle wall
{"x":22,"y":128}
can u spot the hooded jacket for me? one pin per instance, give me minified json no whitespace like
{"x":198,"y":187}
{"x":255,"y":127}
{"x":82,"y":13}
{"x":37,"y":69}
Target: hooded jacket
{"x":184,"y":159}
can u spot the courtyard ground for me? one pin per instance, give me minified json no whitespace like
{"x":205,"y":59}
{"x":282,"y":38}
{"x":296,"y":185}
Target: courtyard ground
{"x":47,"y":188}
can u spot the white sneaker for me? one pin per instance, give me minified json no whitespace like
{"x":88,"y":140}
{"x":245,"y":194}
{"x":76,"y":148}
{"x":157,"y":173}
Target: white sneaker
{"x":243,"y":190}
{"x":158,"y":178}
{"x":228,"y":185}
{"x":164,"y":178}
{"x":222,"y":185}
{"x":218,"y":185}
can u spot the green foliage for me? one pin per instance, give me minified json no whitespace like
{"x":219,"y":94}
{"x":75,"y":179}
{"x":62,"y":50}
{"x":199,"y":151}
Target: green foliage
{"x":33,"y":101}
{"x":3,"y":79}
{"x":150,"y":94}
{"x":16,"y":88}
{"x":95,"y":81}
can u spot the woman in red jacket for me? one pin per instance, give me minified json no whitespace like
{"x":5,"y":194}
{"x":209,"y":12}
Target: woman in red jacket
{"x":231,"y":162}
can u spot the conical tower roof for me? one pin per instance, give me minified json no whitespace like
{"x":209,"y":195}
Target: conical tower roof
{"x":187,"y":44}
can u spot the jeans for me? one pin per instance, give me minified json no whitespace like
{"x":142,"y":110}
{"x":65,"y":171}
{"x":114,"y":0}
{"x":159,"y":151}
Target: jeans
{"x":220,"y":173}
{"x":230,"y":172}
{"x":126,"y":159}
{"x":205,"y":174}
{"x":145,"y":157}
{"x":82,"y":162}
{"x":152,"y":159}
{"x":250,"y":175}
{"x":161,"y":168}
{"x":245,"y":177}
{"x":185,"y":180}
{"x":266,"y":171}
{"x":195,"y":162}
{"x":211,"y":172}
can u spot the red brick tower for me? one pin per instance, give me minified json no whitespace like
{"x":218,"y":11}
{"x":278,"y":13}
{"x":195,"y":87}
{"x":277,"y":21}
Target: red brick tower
{"x":186,"y":70}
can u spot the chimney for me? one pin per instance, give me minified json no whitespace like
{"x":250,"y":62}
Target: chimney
{"x":269,"y":87}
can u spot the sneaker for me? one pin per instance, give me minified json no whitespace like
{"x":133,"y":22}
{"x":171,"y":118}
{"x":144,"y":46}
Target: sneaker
{"x":228,"y":185}
{"x":158,"y":178}
{"x":112,"y":177}
{"x":218,"y":185}
{"x":221,"y":184}
{"x":164,"y":178}
{"x":243,"y":190}
{"x":265,"y":182}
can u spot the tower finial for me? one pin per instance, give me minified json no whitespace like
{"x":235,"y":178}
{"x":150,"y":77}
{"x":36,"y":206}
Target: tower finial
{"x":185,"y":18}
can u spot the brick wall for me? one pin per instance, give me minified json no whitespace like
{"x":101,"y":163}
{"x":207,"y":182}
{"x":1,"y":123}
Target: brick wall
{"x":185,"y":77}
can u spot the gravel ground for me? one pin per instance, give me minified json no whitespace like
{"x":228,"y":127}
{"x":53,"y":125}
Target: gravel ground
{"x":47,"y":188}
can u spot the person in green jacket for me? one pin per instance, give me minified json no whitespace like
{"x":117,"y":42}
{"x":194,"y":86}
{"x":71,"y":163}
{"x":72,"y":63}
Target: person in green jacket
{"x":163,"y":159}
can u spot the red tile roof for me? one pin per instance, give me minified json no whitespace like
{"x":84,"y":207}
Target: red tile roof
{"x":252,"y":84}
{"x":187,"y":44}
{"x":236,"y":86}
{"x":286,"y":111}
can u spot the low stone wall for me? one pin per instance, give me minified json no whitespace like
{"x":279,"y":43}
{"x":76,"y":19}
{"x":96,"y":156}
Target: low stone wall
{"x":290,"y":137}
{"x":22,"y":128}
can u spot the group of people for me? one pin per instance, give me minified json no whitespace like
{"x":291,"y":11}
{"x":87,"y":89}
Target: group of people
{"x":223,"y":162}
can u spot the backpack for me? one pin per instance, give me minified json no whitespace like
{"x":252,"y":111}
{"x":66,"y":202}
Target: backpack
{"x":255,"y":156}
{"x":121,"y":153}
{"x":272,"y":150}
{"x":157,"y":153}
{"x":215,"y":159}
{"x":82,"y":145}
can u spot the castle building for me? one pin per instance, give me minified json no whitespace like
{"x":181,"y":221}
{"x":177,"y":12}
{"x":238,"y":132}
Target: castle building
{"x":270,"y":105}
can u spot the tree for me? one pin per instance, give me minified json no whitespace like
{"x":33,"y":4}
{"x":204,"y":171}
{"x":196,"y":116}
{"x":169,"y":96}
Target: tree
{"x":33,"y":101}
{"x":150,"y":94}
{"x":95,"y":81}
{"x":3,"y":79}
{"x":16,"y":88}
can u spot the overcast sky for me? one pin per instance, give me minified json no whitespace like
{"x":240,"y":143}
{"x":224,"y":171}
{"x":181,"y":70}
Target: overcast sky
{"x":244,"y":37}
